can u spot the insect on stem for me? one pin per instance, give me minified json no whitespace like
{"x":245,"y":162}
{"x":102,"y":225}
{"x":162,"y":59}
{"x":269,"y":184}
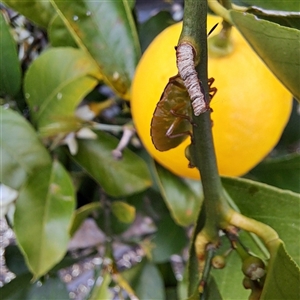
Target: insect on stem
{"x":186,"y":68}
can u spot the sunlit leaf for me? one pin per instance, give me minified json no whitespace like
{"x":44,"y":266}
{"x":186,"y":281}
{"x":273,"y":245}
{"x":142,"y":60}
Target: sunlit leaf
{"x":21,"y":150}
{"x":106,"y":30}
{"x":10,"y":70}
{"x":55,"y":83}
{"x":277,"y":208}
{"x":117,"y":177}
{"x":43,"y":216}
{"x":123,"y":212}
{"x":278,"y":46}
{"x":37,"y":11}
{"x":183,"y":197}
{"x":282,"y":172}
{"x":101,"y":291}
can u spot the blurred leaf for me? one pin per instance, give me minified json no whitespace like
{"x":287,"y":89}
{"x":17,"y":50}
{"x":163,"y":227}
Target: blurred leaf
{"x":117,"y":177}
{"x":55,"y":83}
{"x":43,"y":216}
{"x":168,"y":240}
{"x":58,"y":34}
{"x":277,"y":208}
{"x":282,"y":172}
{"x":14,"y":260}
{"x":153,"y":26}
{"x":10,"y":70}
{"x":40,"y":12}
{"x":146,"y":281}
{"x":291,"y":5}
{"x":81,"y":214}
{"x":183,"y":197}
{"x":101,"y":291}
{"x":282,"y":281}
{"x":21,"y":150}
{"x":106,"y":30}
{"x":276,"y":45}
{"x":123,"y":212}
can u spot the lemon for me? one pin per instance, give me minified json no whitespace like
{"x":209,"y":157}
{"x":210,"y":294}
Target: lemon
{"x":250,"y":109}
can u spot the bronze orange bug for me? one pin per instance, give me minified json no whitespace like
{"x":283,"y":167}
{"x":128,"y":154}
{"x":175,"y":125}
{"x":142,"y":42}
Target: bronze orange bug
{"x":171,"y":123}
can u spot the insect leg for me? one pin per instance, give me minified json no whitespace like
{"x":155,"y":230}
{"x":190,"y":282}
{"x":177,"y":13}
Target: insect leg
{"x":173,"y":126}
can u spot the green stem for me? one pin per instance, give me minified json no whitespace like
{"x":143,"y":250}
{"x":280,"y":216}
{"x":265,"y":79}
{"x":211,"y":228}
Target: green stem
{"x":202,"y":150}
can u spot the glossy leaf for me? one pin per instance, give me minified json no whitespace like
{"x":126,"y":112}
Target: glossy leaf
{"x":106,"y":30}
{"x":282,"y":172}
{"x":282,"y":281}
{"x":43,"y":216}
{"x":21,"y":151}
{"x":260,"y":201}
{"x":117,"y":177}
{"x":291,"y":5}
{"x":146,"y":281}
{"x":124,"y":212}
{"x":276,"y":45}
{"x":10,"y":70}
{"x":55,"y":83}
{"x":182,"y":196}
{"x":40,"y":12}
{"x":81,"y":214}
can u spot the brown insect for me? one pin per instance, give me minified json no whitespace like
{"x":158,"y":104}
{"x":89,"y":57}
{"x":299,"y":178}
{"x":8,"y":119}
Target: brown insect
{"x":171,"y":123}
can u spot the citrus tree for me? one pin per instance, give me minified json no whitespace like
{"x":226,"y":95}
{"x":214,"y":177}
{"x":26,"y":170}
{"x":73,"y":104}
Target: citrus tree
{"x":102,"y":118}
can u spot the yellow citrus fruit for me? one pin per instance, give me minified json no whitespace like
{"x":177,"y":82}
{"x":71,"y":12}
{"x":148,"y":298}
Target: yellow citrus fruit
{"x":250,"y":108}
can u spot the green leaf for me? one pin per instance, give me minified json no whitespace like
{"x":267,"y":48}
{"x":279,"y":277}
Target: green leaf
{"x":277,"y":208}
{"x":106,"y":30}
{"x":14,"y":260}
{"x":291,"y":5}
{"x":58,"y":34}
{"x":282,"y":172}
{"x":152,"y":27}
{"x":183,"y":197}
{"x":43,"y":216}
{"x":123,"y":212}
{"x":81,"y":214}
{"x":282,"y":281}
{"x":102,"y":292}
{"x":10,"y":70}
{"x":117,"y":177}
{"x":276,"y":45}
{"x":40,"y":12}
{"x":146,"y":281}
{"x":55,"y":83}
{"x":21,"y":151}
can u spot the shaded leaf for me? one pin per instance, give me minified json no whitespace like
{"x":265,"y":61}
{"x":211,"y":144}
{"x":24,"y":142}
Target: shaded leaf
{"x":43,"y":216}
{"x":55,"y":83}
{"x":117,"y":177}
{"x":106,"y":30}
{"x":276,"y":45}
{"x":152,"y":27}
{"x":21,"y":150}
{"x":282,"y":172}
{"x":81,"y":214}
{"x":282,"y":281}
{"x":59,"y":36}
{"x":277,"y":208}
{"x":291,"y":5}
{"x":183,"y":197}
{"x":123,"y":212}
{"x":10,"y":70}
{"x":14,"y":260}
{"x":146,"y":281}
{"x":40,"y":12}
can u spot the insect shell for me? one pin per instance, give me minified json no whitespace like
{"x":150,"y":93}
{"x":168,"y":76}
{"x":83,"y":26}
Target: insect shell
{"x":171,"y":123}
